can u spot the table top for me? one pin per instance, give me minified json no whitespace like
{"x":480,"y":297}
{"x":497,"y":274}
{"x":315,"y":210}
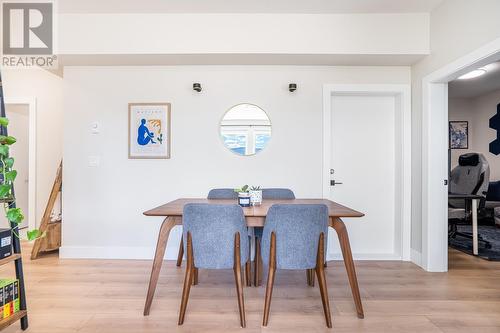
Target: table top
{"x":176,"y":207}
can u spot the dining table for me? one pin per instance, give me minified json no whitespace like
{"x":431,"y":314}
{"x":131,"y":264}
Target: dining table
{"x":255,"y":216}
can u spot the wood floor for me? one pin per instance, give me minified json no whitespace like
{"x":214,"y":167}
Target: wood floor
{"x":108,"y":296}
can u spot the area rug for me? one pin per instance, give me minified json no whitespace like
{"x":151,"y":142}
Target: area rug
{"x":487,"y":232}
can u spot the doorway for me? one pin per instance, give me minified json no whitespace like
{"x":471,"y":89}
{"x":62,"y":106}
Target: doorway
{"x":22,"y":125}
{"x":435,"y":153}
{"x":367,"y":166}
{"x":18,"y":115}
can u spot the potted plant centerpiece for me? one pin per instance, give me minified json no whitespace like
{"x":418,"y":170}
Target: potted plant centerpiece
{"x":243,"y":196}
{"x":255,"y":196}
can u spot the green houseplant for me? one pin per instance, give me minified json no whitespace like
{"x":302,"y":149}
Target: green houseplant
{"x":7,"y":177}
{"x":243,"y":189}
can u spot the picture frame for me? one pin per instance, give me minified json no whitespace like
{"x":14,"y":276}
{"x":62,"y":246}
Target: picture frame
{"x":459,"y":134}
{"x":149,"y":134}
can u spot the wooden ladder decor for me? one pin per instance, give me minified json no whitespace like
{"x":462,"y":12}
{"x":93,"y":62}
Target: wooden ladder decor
{"x":15,"y":257}
{"x":51,"y":241}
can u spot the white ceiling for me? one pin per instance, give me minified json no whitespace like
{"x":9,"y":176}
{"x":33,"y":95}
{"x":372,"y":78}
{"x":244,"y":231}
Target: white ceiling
{"x":247,"y":6}
{"x":479,"y":86}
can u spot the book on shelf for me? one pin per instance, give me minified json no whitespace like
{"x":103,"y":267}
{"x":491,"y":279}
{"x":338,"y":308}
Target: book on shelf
{"x":9,"y":291}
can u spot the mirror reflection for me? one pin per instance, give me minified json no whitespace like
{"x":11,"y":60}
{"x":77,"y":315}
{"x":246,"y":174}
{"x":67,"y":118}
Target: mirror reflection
{"x":245,"y":129}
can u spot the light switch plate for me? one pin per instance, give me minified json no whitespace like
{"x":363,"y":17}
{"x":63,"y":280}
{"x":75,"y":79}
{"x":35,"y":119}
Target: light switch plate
{"x":94,"y":161}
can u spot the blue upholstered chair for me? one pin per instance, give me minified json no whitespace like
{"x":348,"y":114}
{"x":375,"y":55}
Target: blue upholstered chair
{"x":216,"y":193}
{"x":269,"y":194}
{"x":222,"y":193}
{"x":278,"y":194}
{"x":294,"y":237}
{"x":216,"y":238}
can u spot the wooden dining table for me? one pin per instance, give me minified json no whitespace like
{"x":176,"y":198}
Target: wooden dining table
{"x":255,"y":217}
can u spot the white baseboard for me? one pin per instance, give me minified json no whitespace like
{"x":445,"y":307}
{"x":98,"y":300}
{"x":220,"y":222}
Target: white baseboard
{"x":366,"y":256}
{"x":147,"y":253}
{"x":416,"y":257}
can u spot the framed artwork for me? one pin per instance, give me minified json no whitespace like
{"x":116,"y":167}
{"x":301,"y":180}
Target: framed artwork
{"x":149,"y":130}
{"x":459,"y":134}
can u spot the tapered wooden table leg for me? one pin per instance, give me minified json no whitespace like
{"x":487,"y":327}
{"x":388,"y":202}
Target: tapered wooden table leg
{"x":339,"y":226}
{"x":166,"y":226}
{"x":181,"y":252}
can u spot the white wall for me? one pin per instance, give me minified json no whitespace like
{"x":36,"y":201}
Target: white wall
{"x":46,"y":89}
{"x":103,"y":205}
{"x":457,"y":27}
{"x":478,"y":112}
{"x":237,"y":33}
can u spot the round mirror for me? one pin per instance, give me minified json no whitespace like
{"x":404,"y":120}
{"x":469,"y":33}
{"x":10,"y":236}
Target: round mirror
{"x":245,"y":129}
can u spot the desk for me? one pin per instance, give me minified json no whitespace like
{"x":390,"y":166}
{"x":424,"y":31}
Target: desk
{"x":474,"y":198}
{"x":255,"y":217}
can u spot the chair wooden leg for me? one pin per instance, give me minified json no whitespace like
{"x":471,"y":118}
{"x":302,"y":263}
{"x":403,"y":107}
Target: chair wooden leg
{"x":256,"y":265}
{"x":187,"y":280}
{"x":248,"y":273}
{"x":195,"y":276}
{"x":310,"y":277}
{"x":238,"y":278}
{"x":248,"y":265}
{"x":180,"y":254}
{"x":270,"y":279}
{"x":320,"y":272}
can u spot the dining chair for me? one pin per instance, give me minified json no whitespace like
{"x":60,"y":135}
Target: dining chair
{"x":222,"y":193}
{"x":216,"y":193}
{"x":216,"y":238}
{"x":294,"y":237}
{"x":269,"y":194}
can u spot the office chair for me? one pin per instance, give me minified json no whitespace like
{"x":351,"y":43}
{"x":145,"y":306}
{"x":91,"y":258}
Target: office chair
{"x":470,"y":176}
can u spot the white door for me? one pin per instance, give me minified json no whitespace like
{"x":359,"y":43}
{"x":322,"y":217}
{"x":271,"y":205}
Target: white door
{"x":18,"y":115}
{"x":363,"y":159}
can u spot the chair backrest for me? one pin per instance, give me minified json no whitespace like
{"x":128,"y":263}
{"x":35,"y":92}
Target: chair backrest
{"x":213,"y":229}
{"x":222,"y":193}
{"x":297,"y":229}
{"x":277,"y":194}
{"x":470,"y":176}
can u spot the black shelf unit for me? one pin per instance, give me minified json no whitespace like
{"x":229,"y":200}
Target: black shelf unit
{"x":22,"y":315}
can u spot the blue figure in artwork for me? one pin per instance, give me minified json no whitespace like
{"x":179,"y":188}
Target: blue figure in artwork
{"x":144,"y":136}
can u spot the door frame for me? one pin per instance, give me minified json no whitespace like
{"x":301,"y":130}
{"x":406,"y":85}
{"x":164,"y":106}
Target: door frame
{"x":31,"y":102}
{"x":402,"y":93}
{"x":434,"y":153}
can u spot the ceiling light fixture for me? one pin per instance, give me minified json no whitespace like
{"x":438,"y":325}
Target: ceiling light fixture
{"x":473,"y":74}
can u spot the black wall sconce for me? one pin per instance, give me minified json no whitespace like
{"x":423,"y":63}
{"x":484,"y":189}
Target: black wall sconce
{"x":292,"y":87}
{"x":197,"y":87}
